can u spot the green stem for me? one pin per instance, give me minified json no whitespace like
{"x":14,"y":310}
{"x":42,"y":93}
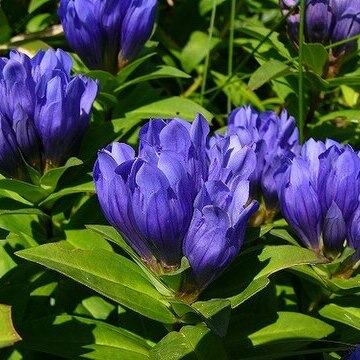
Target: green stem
{"x":250,"y":55}
{"x":301,"y":71}
{"x":207,"y":60}
{"x":231,"y":47}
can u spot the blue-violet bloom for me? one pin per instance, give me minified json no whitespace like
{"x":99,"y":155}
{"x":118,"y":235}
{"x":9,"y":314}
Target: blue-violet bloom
{"x":221,"y":211}
{"x":326,"y":22}
{"x":319,"y":197}
{"x":106,"y":34}
{"x":354,"y":354}
{"x":44,"y":111}
{"x":149,"y":198}
{"x":273,"y":138}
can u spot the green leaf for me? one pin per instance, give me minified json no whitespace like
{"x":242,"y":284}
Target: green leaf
{"x":86,"y":239}
{"x":82,"y":188}
{"x":8,"y":335}
{"x":238,"y":91}
{"x":351,"y":115}
{"x":35,"y":4}
{"x":5,"y":29}
{"x":270,"y":70}
{"x":51,"y":177}
{"x":108,"y":82}
{"x":255,"y":266}
{"x":74,"y":337}
{"x":345,"y":80}
{"x":109,"y":274}
{"x":171,"y":107}
{"x":196,"y":50}
{"x":160,"y":72}
{"x":274,"y":333}
{"x":345,"y":312}
{"x":109,"y":233}
{"x":206,"y":5}
{"x":101,"y":135}
{"x":315,"y":57}
{"x":30,"y":192}
{"x":131,"y":67}
{"x":216,"y":313}
{"x":190,"y":343}
{"x":39,"y":22}
{"x":273,"y":42}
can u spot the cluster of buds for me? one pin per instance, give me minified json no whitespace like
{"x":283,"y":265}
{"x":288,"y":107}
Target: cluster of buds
{"x":326,"y":22}
{"x":44,"y":111}
{"x":107,"y":34}
{"x":319,"y":197}
{"x":171,"y":200}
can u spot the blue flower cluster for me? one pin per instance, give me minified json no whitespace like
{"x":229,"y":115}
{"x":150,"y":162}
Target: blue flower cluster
{"x":44,"y":111}
{"x":319,"y":197}
{"x":106,"y":34}
{"x":174,"y":200}
{"x":190,"y":194}
{"x":326,"y":22}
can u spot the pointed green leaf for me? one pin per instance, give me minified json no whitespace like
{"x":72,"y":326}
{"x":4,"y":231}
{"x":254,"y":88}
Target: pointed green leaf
{"x":74,"y":337}
{"x":274,"y":333}
{"x":171,"y":107}
{"x":255,"y":266}
{"x":346,"y":313}
{"x":109,"y":274}
{"x":8,"y":335}
{"x":270,"y":70}
{"x":190,"y":343}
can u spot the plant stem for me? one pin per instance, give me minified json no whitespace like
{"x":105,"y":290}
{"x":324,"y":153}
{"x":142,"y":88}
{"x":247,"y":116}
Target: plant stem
{"x":301,"y":71}
{"x":231,"y":47}
{"x":207,"y":60}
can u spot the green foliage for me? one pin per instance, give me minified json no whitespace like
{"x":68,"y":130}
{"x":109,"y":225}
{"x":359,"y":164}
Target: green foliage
{"x":78,"y":290}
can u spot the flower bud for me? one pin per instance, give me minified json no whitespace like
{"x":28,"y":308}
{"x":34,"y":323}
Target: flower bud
{"x":44,"y":111}
{"x":221,"y":212}
{"x":273,"y":138}
{"x":106,"y":34}
{"x":149,"y":198}
{"x":326,"y":22}
{"x":319,"y":197}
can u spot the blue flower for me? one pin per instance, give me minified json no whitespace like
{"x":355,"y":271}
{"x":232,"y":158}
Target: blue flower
{"x":44,"y":112}
{"x":273,"y":138}
{"x":326,"y":22}
{"x":149,"y":198}
{"x":108,"y":33}
{"x":354,"y":354}
{"x":179,"y":198}
{"x":319,"y":197}
{"x":221,"y":212}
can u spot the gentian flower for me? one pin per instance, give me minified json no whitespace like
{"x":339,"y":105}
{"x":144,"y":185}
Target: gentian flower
{"x":326,"y":22}
{"x":319,"y":197}
{"x":107,"y":33}
{"x":273,"y":138}
{"x":44,"y":112}
{"x":354,"y":354}
{"x":221,"y":212}
{"x":176,"y":198}
{"x":149,"y":198}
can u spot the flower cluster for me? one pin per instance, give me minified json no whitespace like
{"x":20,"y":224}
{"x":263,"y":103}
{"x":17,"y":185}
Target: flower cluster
{"x":106,"y":34}
{"x":319,"y":197}
{"x":44,"y":111}
{"x":273,"y":138}
{"x":172,"y":200}
{"x":326,"y":22}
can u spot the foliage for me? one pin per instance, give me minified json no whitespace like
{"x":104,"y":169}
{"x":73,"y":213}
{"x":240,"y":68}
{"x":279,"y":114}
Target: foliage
{"x":71,"y":287}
